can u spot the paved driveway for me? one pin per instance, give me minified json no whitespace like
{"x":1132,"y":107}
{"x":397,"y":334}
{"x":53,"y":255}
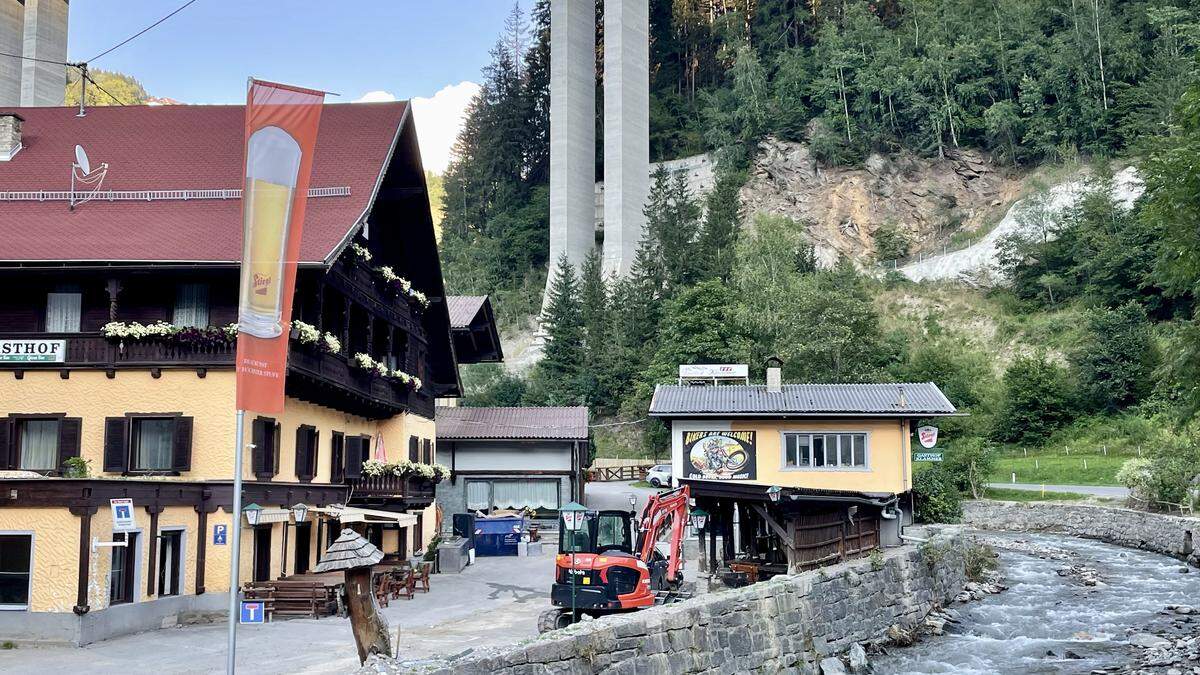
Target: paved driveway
{"x":494,"y":602}
{"x":1110,"y":491}
{"x":615,"y":495}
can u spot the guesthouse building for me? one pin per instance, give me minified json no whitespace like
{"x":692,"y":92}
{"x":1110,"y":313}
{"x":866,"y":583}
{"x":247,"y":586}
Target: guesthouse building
{"x":117,"y":364}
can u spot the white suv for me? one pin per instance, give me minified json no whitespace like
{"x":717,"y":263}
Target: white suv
{"x":659,"y":476}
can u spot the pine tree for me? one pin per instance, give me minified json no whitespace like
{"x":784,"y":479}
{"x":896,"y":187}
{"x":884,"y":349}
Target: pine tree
{"x":558,"y":373}
{"x":598,"y":330}
{"x":722,"y":218}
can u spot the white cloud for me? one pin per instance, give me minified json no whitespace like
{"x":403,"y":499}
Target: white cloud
{"x":438,"y":119}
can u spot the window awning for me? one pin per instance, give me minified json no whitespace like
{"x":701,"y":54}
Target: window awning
{"x":354,"y":514}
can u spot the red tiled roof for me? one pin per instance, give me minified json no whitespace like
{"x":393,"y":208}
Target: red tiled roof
{"x":177,"y":148}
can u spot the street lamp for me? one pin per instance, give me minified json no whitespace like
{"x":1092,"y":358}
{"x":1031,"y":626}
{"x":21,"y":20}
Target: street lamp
{"x":253,"y":514}
{"x":699,"y":519}
{"x":300,"y":511}
{"x":574,"y":516}
{"x":632,"y":502}
{"x":774,"y":493}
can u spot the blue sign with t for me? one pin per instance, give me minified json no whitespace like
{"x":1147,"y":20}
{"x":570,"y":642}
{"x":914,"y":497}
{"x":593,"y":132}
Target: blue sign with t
{"x":252,"y":612}
{"x":220,"y":534}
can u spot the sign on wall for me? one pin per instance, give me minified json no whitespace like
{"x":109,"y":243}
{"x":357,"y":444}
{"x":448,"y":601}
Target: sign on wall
{"x":928,"y":436}
{"x":727,"y":370}
{"x":220,"y":534}
{"x":719,"y":455}
{"x":927,"y":457}
{"x":122,"y":514}
{"x":33,"y":351}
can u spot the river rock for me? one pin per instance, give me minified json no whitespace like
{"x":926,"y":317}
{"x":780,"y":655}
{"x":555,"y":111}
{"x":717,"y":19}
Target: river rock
{"x":1146,"y":640}
{"x":858,"y":659}
{"x":832,"y":666}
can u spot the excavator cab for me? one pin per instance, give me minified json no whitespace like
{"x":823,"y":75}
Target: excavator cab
{"x":603,"y":531}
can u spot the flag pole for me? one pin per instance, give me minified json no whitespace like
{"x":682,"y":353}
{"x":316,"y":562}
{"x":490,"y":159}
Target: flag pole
{"x":236,"y":544}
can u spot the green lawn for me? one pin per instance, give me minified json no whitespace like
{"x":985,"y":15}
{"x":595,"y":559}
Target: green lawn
{"x":1011,"y":495}
{"x":1059,"y":468}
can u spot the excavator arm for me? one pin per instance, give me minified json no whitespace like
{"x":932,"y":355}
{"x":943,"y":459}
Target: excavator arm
{"x":666,"y":511}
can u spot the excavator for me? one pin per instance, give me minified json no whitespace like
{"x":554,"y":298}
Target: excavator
{"x":605,"y":565}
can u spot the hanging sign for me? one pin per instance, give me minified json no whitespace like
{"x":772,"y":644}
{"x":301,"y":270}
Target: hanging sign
{"x":122,"y":514}
{"x":719,"y":455}
{"x":281,"y":133}
{"x":928,"y":436}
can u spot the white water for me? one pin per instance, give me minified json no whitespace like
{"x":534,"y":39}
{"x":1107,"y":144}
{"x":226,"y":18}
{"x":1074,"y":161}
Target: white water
{"x":1126,"y":187}
{"x":1041,"y":612}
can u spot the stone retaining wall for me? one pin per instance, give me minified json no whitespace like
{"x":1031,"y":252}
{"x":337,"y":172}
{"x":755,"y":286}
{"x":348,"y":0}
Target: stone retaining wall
{"x":786,"y":624}
{"x":1158,"y":532}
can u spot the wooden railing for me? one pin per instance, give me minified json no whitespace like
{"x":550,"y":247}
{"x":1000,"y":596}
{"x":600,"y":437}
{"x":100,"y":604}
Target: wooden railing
{"x":617,"y":473}
{"x":96,"y":351}
{"x":412,"y":489}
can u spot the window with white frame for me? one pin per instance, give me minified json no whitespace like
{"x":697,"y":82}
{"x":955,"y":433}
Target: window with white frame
{"x":540,"y":495}
{"x":15,"y":557}
{"x":813,"y":450}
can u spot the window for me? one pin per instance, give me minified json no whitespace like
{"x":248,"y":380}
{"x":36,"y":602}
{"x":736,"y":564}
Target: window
{"x":306,"y":452}
{"x":170,"y":562}
{"x":265,"y":432}
{"x":484,"y":495}
{"x":38,"y":444}
{"x":152,"y":441}
{"x":414,"y":450}
{"x":802,"y":450}
{"x":612,"y":533}
{"x":191,"y":306}
{"x":16,"y":552}
{"x":121,"y":582}
{"x":147,"y":443}
{"x":63,"y":309}
{"x":337,"y":462}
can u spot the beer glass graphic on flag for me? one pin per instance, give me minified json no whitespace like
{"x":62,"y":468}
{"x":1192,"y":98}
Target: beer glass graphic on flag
{"x":272,"y":164}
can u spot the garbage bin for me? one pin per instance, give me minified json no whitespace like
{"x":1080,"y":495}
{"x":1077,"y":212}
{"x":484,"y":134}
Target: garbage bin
{"x":498,"y":536}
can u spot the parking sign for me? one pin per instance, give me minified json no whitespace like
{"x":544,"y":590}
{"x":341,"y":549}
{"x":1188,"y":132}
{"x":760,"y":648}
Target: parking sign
{"x":220,"y":534}
{"x":252,"y":612}
{"x":122,"y":514}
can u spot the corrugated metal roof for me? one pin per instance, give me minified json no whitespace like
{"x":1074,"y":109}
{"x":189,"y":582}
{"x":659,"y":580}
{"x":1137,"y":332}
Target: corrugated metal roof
{"x":463,"y":309}
{"x":547,"y":423}
{"x":906,"y":399}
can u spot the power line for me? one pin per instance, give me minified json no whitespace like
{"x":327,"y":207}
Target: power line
{"x":30,"y":58}
{"x":138,"y":34}
{"x":97,"y":85}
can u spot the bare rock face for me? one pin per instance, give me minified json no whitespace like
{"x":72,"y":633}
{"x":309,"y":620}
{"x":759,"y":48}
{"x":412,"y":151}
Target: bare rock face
{"x":927,"y":199}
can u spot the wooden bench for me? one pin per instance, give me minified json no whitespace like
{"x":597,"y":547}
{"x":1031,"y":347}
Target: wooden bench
{"x":292,"y":598}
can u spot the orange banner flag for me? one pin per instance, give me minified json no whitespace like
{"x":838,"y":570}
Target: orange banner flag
{"x":281,"y":135}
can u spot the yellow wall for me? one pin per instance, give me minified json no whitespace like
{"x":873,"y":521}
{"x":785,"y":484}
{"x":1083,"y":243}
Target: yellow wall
{"x":889,"y":467}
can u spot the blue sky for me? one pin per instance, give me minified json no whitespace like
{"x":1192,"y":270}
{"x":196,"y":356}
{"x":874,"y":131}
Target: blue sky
{"x":398,"y":48}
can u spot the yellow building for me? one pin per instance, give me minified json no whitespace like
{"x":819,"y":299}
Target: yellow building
{"x":117,"y":354}
{"x":794,"y":476}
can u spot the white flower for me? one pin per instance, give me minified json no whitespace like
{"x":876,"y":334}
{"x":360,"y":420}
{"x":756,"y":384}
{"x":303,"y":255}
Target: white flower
{"x":307,"y":333}
{"x":364,"y":361}
{"x":388,"y":273}
{"x":424,"y":471}
{"x":231,"y":331}
{"x":442,"y":471}
{"x":420,"y":298}
{"x":332,"y":344}
{"x":381,"y":369}
{"x":361,"y":251}
{"x":402,"y":468}
{"x":374,"y":467}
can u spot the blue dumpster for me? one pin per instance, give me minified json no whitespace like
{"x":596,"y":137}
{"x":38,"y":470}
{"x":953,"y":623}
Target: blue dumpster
{"x":498,"y":536}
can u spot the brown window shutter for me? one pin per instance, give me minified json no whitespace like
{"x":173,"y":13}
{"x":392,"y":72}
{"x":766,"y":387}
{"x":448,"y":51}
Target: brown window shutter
{"x":275,"y":457}
{"x":306,"y":437}
{"x":427,"y":451}
{"x":354,"y":457}
{"x":258,"y":456}
{"x":116,"y":444}
{"x":181,"y":456}
{"x":413,"y":451}
{"x":8,"y":444}
{"x":314,"y":438}
{"x":337,"y":464}
{"x":69,"y":431}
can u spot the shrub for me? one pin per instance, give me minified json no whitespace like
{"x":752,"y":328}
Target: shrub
{"x":76,"y":467}
{"x":1135,"y":475}
{"x":969,"y":462}
{"x":979,"y":558}
{"x":890,"y":243}
{"x":937,"y":499}
{"x":1036,"y":400}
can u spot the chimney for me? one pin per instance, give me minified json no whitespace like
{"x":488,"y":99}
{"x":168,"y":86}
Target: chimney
{"x":774,"y":376}
{"x":10,"y":135}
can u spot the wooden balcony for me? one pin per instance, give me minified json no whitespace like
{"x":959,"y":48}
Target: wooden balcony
{"x":416,"y":493}
{"x":93,"y":350}
{"x":329,"y":380}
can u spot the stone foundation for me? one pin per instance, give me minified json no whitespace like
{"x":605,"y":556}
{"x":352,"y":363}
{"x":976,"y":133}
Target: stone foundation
{"x":788,"y":623}
{"x":1157,"y":532}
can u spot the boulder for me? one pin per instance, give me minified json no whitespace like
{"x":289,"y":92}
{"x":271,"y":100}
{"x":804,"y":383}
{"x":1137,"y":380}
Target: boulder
{"x":1147,"y":640}
{"x":858,"y":660}
{"x":832,"y":666}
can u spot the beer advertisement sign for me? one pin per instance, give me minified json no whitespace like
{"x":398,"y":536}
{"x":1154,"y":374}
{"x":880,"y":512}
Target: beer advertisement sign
{"x":281,"y":134}
{"x":719,"y":455}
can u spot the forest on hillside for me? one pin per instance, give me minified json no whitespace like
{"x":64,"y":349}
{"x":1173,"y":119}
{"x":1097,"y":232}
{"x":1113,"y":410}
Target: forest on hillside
{"x":1103,"y":296}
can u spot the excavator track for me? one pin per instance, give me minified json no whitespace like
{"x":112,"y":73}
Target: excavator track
{"x":555,"y":618}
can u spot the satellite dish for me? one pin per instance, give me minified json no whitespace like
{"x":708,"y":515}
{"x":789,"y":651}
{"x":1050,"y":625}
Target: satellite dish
{"x":81,"y":159}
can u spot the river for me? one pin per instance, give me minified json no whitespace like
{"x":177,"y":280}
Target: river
{"x":1031,"y":627}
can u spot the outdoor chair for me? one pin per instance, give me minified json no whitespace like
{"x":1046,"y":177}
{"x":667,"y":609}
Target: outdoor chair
{"x":402,"y":582}
{"x":383,"y":588}
{"x":420,"y":575}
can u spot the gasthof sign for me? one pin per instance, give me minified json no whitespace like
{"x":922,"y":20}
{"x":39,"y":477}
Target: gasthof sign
{"x":33,"y":351}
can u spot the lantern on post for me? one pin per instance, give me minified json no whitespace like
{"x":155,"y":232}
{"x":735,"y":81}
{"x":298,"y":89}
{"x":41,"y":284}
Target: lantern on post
{"x":574,"y":517}
{"x":253,"y":513}
{"x":354,"y":554}
{"x":300,"y":511}
{"x":774,"y":493}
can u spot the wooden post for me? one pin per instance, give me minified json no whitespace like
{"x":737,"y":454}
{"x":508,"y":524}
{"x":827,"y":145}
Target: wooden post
{"x":369,"y":627}
{"x":152,"y":549}
{"x":703,"y":553}
{"x":85,"y":561}
{"x":201,"y":546}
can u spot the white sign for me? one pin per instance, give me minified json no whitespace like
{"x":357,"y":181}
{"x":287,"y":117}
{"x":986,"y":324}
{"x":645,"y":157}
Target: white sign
{"x":927,"y":436}
{"x":714,"y":370}
{"x":927,"y":457}
{"x":33,"y":351}
{"x":122,"y":514}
